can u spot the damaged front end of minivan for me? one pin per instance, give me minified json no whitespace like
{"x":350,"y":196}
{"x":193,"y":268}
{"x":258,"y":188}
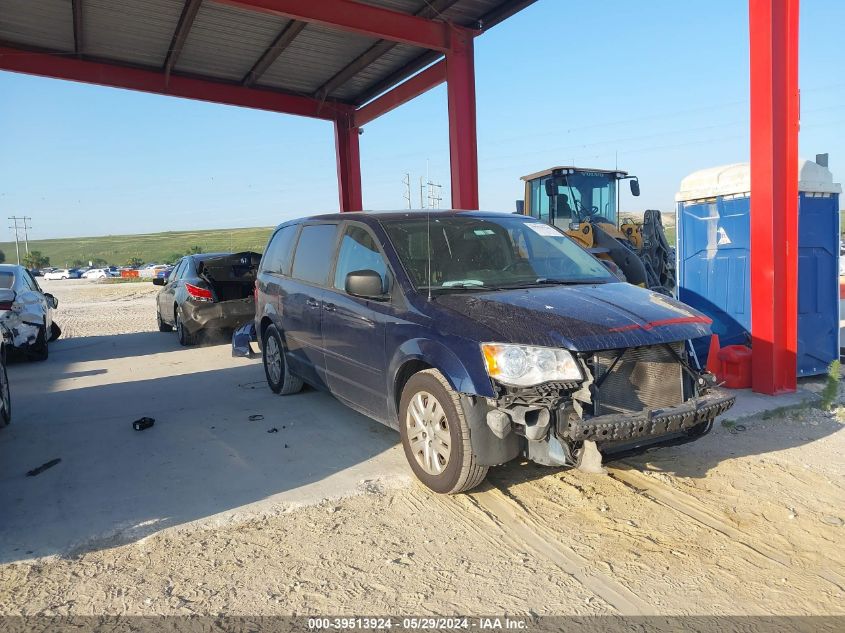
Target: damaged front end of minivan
{"x":603,"y":402}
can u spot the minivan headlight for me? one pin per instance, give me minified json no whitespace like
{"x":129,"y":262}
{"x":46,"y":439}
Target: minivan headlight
{"x":525,"y":366}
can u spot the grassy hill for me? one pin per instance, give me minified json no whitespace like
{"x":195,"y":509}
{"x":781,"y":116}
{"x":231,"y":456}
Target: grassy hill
{"x":150,"y":247}
{"x":156,"y":247}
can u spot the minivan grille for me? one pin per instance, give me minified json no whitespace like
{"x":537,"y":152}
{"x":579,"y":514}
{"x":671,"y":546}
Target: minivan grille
{"x":643,"y":378}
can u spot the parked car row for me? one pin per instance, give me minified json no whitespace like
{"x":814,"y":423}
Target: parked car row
{"x":481,"y":337}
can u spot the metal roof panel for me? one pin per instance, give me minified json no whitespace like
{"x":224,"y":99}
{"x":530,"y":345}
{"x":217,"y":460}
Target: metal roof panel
{"x":313,"y":58}
{"x":46,"y":24}
{"x":226,"y":42}
{"x":133,"y":31}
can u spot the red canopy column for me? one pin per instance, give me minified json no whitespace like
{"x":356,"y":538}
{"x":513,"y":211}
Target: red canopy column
{"x":348,"y":164}
{"x":774,"y":194}
{"x":463,"y":150}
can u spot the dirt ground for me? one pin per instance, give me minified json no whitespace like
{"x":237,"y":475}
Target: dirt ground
{"x":747,"y":521}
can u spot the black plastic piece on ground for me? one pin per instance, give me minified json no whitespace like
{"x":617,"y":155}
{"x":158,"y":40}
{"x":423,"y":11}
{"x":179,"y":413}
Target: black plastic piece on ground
{"x":43,"y":467}
{"x":143,"y":423}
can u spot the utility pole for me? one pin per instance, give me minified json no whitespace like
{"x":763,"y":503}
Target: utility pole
{"x":15,"y":229}
{"x":26,"y":226}
{"x":422,"y":190}
{"x":434,"y":196}
{"x":407,"y":182}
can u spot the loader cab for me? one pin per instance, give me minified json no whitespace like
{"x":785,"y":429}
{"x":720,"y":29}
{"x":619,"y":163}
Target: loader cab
{"x":567,"y":196}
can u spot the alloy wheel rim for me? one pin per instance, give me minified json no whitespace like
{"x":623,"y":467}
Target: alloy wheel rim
{"x":428,"y":433}
{"x":273,"y":360}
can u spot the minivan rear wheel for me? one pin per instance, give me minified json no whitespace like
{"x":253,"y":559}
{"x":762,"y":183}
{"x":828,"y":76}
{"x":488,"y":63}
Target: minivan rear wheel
{"x":435,"y":435}
{"x":279,"y":377}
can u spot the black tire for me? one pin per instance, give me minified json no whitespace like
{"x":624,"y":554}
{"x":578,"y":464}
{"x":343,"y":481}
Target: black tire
{"x":279,"y":377}
{"x":5,"y":396}
{"x":460,"y":470}
{"x":162,"y":326}
{"x":55,"y":331}
{"x":186,"y":339}
{"x":39,"y":349}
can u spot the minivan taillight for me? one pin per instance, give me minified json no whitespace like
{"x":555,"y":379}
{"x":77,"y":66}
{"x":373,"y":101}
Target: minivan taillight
{"x":5,"y":305}
{"x":199,"y":293}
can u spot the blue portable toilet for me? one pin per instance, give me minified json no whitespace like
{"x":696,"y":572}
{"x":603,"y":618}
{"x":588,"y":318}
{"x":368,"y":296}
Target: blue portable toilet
{"x":714,"y":228}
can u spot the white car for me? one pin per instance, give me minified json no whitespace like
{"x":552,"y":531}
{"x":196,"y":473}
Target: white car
{"x":97,"y":273}
{"x":60,"y":273}
{"x":149,"y":272}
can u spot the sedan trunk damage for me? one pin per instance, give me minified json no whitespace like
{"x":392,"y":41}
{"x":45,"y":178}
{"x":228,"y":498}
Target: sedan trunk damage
{"x":231,"y":281}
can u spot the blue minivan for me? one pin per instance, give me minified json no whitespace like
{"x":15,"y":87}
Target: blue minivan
{"x":482,"y":337}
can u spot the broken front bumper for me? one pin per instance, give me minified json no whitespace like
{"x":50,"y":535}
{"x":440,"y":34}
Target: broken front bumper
{"x":650,"y":423}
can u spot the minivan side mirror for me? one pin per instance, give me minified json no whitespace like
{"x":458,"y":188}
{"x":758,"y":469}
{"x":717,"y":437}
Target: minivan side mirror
{"x":367,"y":284}
{"x":635,"y":187}
{"x":159,"y":281}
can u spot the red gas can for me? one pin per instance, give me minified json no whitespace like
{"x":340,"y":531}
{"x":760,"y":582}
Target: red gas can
{"x":735,"y":367}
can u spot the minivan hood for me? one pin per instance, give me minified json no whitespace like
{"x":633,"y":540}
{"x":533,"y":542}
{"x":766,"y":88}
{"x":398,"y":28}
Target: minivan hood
{"x":580,"y":317}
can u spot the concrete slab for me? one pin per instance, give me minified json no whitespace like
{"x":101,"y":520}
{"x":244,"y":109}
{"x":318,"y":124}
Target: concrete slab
{"x":203,"y":460}
{"x":749,"y":404}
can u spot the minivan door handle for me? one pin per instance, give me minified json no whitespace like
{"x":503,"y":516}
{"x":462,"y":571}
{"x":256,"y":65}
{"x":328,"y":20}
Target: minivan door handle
{"x":312,"y":303}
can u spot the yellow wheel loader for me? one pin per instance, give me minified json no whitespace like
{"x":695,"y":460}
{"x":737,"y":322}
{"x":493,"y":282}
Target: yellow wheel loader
{"x":584,"y":203}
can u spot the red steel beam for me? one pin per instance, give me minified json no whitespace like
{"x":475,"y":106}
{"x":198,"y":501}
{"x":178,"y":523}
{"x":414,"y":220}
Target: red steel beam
{"x":356,"y":17}
{"x":348,"y":164}
{"x":404,"y":92}
{"x":104,"y":74}
{"x":463,"y":144}
{"x":774,"y":194}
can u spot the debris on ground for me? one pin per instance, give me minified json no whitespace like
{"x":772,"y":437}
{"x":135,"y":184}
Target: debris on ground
{"x":143,"y":423}
{"x":256,"y":417}
{"x":43,"y":467}
{"x":273,"y":430}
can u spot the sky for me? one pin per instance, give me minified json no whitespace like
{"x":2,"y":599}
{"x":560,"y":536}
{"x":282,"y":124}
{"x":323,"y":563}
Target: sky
{"x":658,"y":88}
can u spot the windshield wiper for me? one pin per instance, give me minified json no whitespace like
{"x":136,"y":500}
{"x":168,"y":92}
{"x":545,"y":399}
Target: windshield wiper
{"x":543,"y":281}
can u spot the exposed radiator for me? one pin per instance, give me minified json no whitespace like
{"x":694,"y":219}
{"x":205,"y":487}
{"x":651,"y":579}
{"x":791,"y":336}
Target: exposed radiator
{"x":643,"y":378}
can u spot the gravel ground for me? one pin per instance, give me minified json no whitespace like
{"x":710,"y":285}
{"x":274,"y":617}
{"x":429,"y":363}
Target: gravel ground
{"x":748,"y":520}
{"x":91,"y":307}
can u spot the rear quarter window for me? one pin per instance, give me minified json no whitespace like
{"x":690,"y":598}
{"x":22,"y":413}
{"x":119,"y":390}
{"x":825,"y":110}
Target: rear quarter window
{"x":7,"y":279}
{"x":277,"y":256}
{"x":314,"y":253}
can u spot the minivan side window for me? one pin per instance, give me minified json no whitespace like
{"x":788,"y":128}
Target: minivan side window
{"x":358,"y":251}
{"x":313,"y":258}
{"x":277,"y":257}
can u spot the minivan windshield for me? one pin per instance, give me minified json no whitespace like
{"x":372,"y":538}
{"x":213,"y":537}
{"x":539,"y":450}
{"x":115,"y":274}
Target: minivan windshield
{"x":467,"y":252}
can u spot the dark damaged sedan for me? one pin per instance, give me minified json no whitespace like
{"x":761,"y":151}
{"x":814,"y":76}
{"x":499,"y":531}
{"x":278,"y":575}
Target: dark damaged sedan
{"x":211,"y":291}
{"x":482,"y":337}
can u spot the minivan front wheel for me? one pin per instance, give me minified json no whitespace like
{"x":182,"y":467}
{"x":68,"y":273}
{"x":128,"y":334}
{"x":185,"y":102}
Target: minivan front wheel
{"x":279,"y":377}
{"x":435,"y":435}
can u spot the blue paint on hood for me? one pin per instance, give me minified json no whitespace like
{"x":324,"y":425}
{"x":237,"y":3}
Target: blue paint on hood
{"x":580,"y":317}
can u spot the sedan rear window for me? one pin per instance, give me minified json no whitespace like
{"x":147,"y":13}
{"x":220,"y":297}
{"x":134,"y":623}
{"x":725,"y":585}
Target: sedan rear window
{"x":314,"y":253}
{"x":7,"y":279}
